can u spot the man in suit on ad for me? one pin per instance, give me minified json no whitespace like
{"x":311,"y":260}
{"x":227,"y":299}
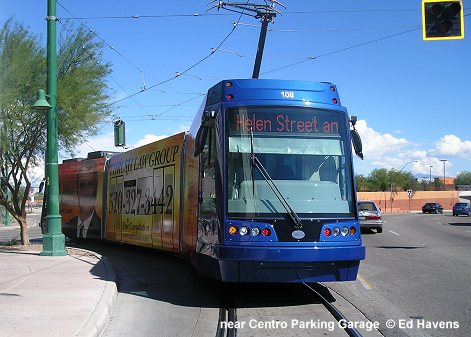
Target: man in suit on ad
{"x":87,"y":224}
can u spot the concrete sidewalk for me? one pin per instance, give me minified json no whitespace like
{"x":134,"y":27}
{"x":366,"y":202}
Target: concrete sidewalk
{"x":61,"y":296}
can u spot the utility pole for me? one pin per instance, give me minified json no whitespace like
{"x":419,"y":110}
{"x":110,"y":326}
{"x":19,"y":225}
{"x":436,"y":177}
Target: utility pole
{"x":265,"y":12}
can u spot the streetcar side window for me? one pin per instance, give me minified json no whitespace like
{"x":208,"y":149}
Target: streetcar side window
{"x":208,"y":155}
{"x":208,"y":176}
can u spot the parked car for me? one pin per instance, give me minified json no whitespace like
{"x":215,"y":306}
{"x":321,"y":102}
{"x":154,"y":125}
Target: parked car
{"x":370,"y":216}
{"x":432,"y":207}
{"x":461,"y":208}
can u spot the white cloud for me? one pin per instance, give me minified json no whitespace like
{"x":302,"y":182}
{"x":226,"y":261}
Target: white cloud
{"x":436,"y":168}
{"x":106,"y":143}
{"x":147,"y":139}
{"x":387,"y":151}
{"x":377,"y":145}
{"x":451,"y":145}
{"x":103,"y":142}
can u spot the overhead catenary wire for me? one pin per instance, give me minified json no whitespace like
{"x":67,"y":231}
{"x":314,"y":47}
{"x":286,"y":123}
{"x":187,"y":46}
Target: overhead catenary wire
{"x":325,"y":29}
{"x":178,"y":74}
{"x":99,"y":37}
{"x":310,"y":58}
{"x":163,"y":16}
{"x":92,"y":56}
{"x":143,"y":87}
{"x":213,"y":50}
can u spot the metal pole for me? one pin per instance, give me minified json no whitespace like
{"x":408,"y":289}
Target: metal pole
{"x":7,"y":214}
{"x":430,"y":180}
{"x":5,"y":191}
{"x":261,"y":45}
{"x":392,"y":198}
{"x":53,"y":240}
{"x":443,"y":160}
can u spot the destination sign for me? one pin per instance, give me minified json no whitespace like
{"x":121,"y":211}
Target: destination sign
{"x":289,"y":120}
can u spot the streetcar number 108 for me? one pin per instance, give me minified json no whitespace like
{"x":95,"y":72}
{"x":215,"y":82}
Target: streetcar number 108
{"x":287,"y":94}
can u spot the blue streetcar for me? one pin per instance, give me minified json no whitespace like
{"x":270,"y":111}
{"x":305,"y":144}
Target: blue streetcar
{"x":261,"y":189}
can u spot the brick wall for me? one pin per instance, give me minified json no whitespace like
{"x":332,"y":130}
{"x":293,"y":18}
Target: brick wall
{"x":402,"y":203}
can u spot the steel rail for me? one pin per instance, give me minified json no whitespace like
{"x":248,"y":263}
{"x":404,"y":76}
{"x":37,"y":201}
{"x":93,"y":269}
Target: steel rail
{"x":352,"y":332}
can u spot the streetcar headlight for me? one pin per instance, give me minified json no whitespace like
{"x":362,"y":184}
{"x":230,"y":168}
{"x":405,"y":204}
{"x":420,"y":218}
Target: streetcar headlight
{"x":243,"y":230}
{"x":345,"y":231}
{"x":336,"y":231}
{"x":255,"y":231}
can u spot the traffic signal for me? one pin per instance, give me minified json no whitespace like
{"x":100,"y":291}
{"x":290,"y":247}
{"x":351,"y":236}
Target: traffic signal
{"x":442,"y":20}
{"x":119,"y":133}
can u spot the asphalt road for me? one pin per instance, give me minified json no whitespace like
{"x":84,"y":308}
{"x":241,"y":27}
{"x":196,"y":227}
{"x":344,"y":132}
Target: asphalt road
{"x":12,"y":232}
{"x":417,"y":275}
{"x":159,"y":295}
{"x":162,"y":295}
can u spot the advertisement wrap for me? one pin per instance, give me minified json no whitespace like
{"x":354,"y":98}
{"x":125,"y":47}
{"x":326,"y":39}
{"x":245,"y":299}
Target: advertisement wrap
{"x":143,"y":189}
{"x":81,"y":187}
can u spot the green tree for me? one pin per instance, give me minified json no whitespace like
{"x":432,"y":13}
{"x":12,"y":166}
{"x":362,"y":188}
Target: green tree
{"x":384,"y":180}
{"x":81,"y":104}
{"x":361,"y":182}
{"x":379,"y":180}
{"x":404,"y":181}
{"x":463,"y":178}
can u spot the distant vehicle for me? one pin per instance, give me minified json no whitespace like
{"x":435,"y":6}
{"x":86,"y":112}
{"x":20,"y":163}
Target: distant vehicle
{"x":370,"y":216}
{"x":432,"y":207}
{"x":461,"y":208}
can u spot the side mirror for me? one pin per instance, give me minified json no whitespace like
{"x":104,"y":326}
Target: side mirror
{"x":357,"y":145}
{"x":356,"y":140}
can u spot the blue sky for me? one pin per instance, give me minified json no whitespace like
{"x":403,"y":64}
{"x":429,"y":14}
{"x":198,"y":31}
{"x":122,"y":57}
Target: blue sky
{"x":412,"y":97}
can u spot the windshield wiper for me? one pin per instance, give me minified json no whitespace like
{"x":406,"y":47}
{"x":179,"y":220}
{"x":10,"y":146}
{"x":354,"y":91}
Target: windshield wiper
{"x":256,"y":162}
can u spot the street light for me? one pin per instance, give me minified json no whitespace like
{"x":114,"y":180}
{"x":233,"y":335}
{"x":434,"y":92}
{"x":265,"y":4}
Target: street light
{"x":53,"y":239}
{"x":430,"y":180}
{"x":443,"y":160}
{"x":392,"y":199}
{"x":409,"y":162}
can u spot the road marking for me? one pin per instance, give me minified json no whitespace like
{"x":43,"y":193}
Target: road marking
{"x":395,"y":233}
{"x":364,"y":282}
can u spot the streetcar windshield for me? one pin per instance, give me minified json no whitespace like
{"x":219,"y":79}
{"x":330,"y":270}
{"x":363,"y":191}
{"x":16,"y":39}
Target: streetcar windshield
{"x":304,"y":151}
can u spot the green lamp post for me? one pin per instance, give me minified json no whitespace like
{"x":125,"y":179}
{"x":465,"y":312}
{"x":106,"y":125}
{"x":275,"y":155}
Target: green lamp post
{"x":53,"y":239}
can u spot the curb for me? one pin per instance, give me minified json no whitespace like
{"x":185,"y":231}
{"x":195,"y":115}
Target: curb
{"x":100,"y":317}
